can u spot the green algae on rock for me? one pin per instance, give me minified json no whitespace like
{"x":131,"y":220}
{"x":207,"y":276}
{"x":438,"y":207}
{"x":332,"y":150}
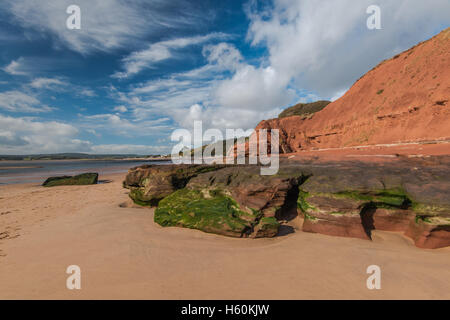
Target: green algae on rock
{"x":212,"y":211}
{"x":355,"y":213}
{"x":149,"y":184}
{"x":81,"y":179}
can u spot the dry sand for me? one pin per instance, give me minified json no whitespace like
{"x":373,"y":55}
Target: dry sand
{"x":123,"y":254}
{"x":375,"y":152}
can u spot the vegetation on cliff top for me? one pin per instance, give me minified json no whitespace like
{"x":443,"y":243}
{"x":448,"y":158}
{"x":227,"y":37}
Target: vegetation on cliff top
{"x":304,"y":109}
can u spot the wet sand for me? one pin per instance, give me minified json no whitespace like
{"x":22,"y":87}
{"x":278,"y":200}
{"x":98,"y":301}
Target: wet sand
{"x":123,"y":254}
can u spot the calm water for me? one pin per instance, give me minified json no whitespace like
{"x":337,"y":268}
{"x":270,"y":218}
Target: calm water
{"x":37,"y":171}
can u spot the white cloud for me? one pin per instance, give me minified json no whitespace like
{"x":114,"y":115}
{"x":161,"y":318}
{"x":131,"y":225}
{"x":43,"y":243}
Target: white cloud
{"x":165,"y":96}
{"x":249,"y":87}
{"x":224,"y":55}
{"x":159,"y":51}
{"x":61,"y":85}
{"x":93,"y":132}
{"x":117,"y":125}
{"x":221,"y":118}
{"x":120,"y":109}
{"x":254,"y":88}
{"x":106,"y":24}
{"x":87,"y":92}
{"x":16,"y":101}
{"x":159,"y":85}
{"x":47,"y":83}
{"x":130,"y":149}
{"x":25,"y":136}
{"x":38,"y":65}
{"x":16,"y":68}
{"x":186,"y":117}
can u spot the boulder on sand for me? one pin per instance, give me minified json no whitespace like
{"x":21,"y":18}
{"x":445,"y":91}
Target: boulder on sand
{"x":213,"y":211}
{"x":81,"y":179}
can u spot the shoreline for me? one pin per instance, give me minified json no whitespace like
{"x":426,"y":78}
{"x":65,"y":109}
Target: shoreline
{"x":17,"y":172}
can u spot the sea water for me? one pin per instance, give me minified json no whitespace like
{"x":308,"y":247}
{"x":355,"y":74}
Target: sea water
{"x":37,"y":171}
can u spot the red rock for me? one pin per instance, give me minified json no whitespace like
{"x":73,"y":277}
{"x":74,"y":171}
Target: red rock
{"x":428,"y":236}
{"x":392,"y":220}
{"x":335,"y":217}
{"x":337,"y":225}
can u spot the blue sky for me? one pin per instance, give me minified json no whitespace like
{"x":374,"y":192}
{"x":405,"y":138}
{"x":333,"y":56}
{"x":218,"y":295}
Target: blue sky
{"x":137,"y":70}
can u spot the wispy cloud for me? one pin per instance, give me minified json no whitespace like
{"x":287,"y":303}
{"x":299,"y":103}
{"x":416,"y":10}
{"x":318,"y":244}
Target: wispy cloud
{"x":105,"y":25}
{"x":130,"y":149}
{"x":16,"y":101}
{"x":121,"y":109}
{"x":159,"y":51}
{"x":47,"y":83}
{"x":119,"y":125}
{"x":43,"y":85}
{"x":40,"y":66}
{"x":87,"y":92}
{"x":16,"y":68}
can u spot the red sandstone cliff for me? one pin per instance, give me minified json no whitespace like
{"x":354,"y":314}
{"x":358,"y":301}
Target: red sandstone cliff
{"x":403,"y":99}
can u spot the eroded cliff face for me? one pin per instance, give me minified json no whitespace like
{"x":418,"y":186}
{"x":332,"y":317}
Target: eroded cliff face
{"x":403,"y":99}
{"x":348,"y":199}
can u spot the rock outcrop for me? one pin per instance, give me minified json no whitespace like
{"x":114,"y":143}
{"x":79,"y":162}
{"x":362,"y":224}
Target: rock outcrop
{"x":81,"y":179}
{"x":149,"y":184}
{"x":430,"y":232}
{"x":404,"y":99}
{"x":213,"y":210}
{"x":234,"y":200}
{"x":349,"y":199}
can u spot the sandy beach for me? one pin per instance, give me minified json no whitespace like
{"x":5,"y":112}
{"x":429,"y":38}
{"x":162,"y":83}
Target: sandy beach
{"x":123,"y":254}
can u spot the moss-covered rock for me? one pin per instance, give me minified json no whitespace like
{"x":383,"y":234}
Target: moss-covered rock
{"x":211,"y":211}
{"x":151,"y":183}
{"x":355,"y":213}
{"x":386,"y":198}
{"x":267,"y":227}
{"x":327,"y":214}
{"x":302,"y":202}
{"x":81,"y":179}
